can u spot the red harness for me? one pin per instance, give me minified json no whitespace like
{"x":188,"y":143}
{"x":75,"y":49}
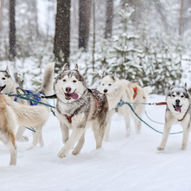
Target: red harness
{"x":135,"y":92}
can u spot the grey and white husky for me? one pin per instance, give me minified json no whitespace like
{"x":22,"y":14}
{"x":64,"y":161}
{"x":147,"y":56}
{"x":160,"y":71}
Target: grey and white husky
{"x":78,"y":107}
{"x":8,"y":85}
{"x":177,"y":111}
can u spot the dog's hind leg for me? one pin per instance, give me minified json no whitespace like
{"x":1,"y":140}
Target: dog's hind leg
{"x":79,"y":146}
{"x":127,"y":122}
{"x":165,"y":136}
{"x":107,"y":128}
{"x":77,"y":133}
{"x":40,"y":140}
{"x":19,"y":134}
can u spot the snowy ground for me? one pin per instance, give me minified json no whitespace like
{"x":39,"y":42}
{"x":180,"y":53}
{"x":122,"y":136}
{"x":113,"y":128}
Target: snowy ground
{"x":123,"y":163}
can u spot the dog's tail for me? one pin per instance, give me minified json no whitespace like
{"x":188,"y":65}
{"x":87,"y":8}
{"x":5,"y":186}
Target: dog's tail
{"x":48,"y":79}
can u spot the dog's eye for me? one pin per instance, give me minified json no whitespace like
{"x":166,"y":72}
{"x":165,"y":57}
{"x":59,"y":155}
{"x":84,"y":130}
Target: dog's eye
{"x":182,"y":96}
{"x":3,"y":78}
{"x":109,"y":84}
{"x":74,"y":81}
{"x":64,"y":80}
{"x":173,"y":95}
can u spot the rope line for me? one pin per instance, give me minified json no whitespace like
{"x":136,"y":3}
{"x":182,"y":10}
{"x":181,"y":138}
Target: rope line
{"x":121,"y":103}
{"x":29,"y":99}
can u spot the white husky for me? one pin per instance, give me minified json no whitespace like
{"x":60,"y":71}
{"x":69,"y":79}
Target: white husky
{"x":7,"y":85}
{"x":178,"y":111}
{"x":117,"y":90}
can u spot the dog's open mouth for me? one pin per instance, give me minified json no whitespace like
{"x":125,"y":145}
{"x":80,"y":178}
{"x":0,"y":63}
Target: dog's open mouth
{"x":73,"y":95}
{"x":2,"y":87}
{"x":177,"y":108}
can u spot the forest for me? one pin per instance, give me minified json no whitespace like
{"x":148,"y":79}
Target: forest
{"x":143,"y":41}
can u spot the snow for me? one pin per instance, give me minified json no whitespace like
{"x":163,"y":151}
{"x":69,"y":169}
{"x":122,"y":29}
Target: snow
{"x":124,"y":163}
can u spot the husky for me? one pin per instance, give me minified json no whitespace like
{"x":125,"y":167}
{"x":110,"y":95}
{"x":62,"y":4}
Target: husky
{"x":177,"y":111}
{"x":117,"y":90}
{"x":14,"y":114}
{"x":8,"y":85}
{"x":78,"y":107}
{"x":8,"y":126}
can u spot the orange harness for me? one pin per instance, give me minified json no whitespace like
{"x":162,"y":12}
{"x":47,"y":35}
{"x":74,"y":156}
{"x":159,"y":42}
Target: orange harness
{"x":135,"y":92}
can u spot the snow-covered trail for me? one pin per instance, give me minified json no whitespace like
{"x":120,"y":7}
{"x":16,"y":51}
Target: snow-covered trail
{"x":124,"y":163}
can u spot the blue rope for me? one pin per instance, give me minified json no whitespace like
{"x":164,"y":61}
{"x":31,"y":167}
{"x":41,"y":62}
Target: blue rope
{"x":121,"y":103}
{"x":29,"y":99}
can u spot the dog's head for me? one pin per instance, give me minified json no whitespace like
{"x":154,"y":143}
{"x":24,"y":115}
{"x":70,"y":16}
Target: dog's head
{"x":105,"y":84}
{"x":69,"y":85}
{"x":6,"y":82}
{"x":178,"y":99}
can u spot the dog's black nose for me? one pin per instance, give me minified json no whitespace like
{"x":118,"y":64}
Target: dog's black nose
{"x":177,"y":101}
{"x":68,"y":89}
{"x":105,"y":90}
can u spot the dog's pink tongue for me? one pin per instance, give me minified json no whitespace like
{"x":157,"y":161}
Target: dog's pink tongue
{"x":74,"y":95}
{"x":178,"y":109}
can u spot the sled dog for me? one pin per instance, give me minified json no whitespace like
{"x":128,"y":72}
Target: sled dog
{"x":13,"y":114}
{"x":177,"y":111}
{"x":117,"y":90}
{"x":78,"y":107}
{"x":8,"y":124}
{"x":8,"y":85}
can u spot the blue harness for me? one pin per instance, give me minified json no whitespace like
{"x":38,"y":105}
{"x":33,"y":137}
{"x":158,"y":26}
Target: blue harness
{"x":30,"y":94}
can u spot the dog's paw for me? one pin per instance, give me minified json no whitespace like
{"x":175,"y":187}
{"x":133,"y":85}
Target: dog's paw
{"x":75,"y":152}
{"x":160,"y":148}
{"x":61,"y":155}
{"x":183,"y":147}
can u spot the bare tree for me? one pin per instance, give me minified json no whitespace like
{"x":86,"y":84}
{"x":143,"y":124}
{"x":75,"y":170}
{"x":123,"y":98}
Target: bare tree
{"x":84,"y":23}
{"x":181,"y":17}
{"x":109,"y":18}
{"x":12,"y":30}
{"x":62,"y":31}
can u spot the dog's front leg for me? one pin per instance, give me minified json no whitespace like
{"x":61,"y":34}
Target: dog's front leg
{"x":108,"y":124}
{"x":75,"y":136}
{"x":79,"y":146}
{"x":65,"y":132}
{"x":165,"y":136}
{"x":186,"y":129}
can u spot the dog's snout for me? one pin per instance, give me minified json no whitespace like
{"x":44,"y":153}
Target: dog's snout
{"x":68,"y":89}
{"x":105,"y":90}
{"x":177,"y":101}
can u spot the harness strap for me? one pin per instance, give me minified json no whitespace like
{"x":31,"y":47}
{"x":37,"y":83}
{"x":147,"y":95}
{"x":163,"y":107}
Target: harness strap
{"x":161,"y":103}
{"x":184,"y":114}
{"x":135,"y":92}
{"x":69,"y":118}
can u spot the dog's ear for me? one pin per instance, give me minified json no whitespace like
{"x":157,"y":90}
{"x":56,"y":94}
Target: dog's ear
{"x":7,"y":69}
{"x":185,"y":86}
{"x":76,"y":67}
{"x":103,"y":75}
{"x":66,"y":66}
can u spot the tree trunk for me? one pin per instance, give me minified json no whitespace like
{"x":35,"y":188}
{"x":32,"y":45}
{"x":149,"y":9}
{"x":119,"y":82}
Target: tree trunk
{"x":1,"y":12}
{"x":84,"y":23}
{"x":181,"y":18}
{"x":109,"y":19}
{"x":62,"y":32}
{"x":12,"y":30}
